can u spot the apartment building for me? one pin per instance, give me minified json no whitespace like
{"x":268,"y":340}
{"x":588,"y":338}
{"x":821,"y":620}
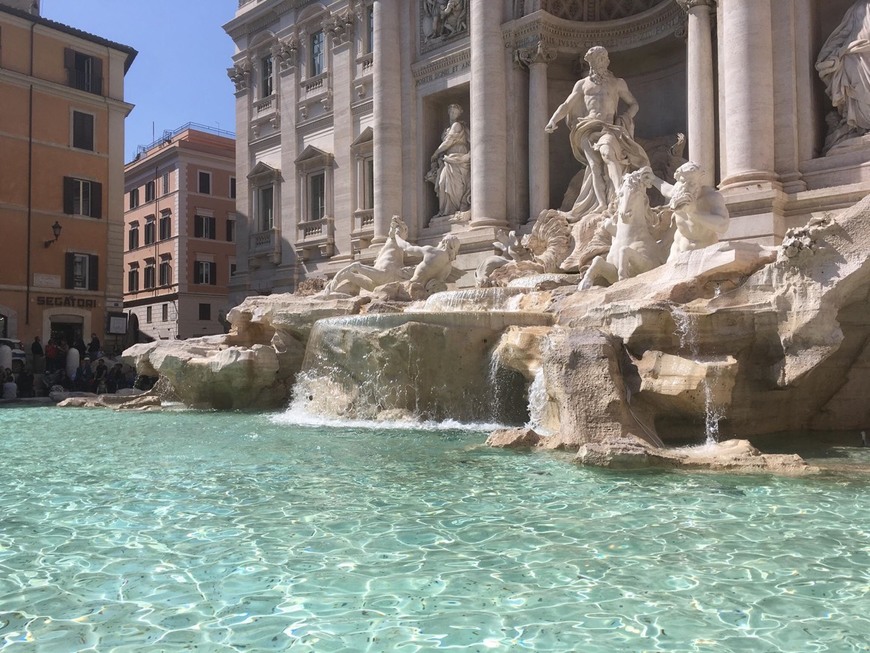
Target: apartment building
{"x":180,"y":232}
{"x":61,"y":188}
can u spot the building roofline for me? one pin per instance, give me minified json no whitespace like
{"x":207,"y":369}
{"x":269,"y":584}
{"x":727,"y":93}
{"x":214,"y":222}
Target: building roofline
{"x":72,"y":31}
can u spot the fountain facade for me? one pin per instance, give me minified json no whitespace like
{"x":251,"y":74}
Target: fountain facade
{"x":673,"y":334}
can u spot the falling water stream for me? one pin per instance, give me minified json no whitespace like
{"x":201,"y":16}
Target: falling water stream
{"x":688,"y":333}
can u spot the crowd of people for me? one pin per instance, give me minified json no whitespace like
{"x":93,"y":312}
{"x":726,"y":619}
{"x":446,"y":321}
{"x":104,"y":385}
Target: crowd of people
{"x":47,"y":370}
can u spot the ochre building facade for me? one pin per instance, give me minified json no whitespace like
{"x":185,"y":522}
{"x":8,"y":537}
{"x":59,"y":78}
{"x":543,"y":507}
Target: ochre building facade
{"x":180,"y":232}
{"x":61,"y":187}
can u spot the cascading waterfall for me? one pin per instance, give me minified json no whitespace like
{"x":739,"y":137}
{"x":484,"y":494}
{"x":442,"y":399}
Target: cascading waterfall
{"x":538,"y":403}
{"x":418,"y":364}
{"x":687,"y":331}
{"x":475,"y":300}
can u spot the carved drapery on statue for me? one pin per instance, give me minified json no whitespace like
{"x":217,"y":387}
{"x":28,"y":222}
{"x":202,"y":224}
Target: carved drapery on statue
{"x":450,"y":170}
{"x":844,"y":66}
{"x":600,"y":112}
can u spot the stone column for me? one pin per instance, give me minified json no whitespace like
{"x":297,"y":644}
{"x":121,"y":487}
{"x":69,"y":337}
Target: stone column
{"x":701,"y":118}
{"x":537,"y":59}
{"x":747,"y":65}
{"x":488,"y":116}
{"x":387,"y":117}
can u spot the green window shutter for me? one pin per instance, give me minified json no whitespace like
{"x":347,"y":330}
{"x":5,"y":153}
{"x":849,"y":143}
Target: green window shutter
{"x":68,"y":194}
{"x":93,"y":272}
{"x":69,"y":264}
{"x":96,"y":199}
{"x":97,"y":76}
{"x":69,"y":62}
{"x":212,"y":273}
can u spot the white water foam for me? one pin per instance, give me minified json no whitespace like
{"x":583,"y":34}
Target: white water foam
{"x":297,"y":416}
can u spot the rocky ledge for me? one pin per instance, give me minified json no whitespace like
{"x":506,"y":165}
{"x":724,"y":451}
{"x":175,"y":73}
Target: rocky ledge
{"x":629,"y":452}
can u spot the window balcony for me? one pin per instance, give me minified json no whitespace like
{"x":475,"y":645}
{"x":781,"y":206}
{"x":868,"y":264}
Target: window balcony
{"x":315,"y":87}
{"x":265,"y":106}
{"x":265,"y":244}
{"x":316,"y":237}
{"x":362,"y":229}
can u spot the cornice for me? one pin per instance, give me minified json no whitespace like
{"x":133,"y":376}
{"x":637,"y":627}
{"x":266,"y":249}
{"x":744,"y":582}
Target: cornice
{"x":442,"y":66}
{"x":688,"y":5}
{"x":576,"y":37}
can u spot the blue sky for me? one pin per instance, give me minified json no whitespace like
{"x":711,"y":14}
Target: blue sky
{"x":179,"y":75}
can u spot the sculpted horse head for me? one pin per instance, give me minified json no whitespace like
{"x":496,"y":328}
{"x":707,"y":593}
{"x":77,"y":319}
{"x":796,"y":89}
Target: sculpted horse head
{"x":632,"y":202}
{"x":634,"y":248}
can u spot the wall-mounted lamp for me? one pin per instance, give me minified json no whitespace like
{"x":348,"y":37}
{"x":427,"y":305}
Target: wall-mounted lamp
{"x":55,"y":229}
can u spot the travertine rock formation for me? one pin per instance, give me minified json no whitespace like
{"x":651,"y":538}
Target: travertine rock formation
{"x":736,"y":339}
{"x":251,"y":368}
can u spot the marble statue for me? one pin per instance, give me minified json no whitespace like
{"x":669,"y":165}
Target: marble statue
{"x":539,"y":252}
{"x":387,"y":266}
{"x":844,"y":66}
{"x":510,"y":250}
{"x":699,"y":212}
{"x":635,"y":248}
{"x":450,"y":171}
{"x":437,"y":263}
{"x":445,"y":17}
{"x":602,"y":137}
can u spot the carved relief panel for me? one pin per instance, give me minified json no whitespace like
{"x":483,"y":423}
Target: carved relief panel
{"x":442,"y":21}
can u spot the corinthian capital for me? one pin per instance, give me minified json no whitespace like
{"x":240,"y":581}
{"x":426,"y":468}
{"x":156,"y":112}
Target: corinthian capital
{"x":688,"y":5}
{"x":540,"y":53}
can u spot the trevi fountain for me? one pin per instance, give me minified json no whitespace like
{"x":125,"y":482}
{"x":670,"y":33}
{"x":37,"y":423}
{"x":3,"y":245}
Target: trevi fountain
{"x":382,"y":461}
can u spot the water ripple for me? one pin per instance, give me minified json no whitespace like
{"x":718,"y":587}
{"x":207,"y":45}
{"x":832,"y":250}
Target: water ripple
{"x":180,"y":530}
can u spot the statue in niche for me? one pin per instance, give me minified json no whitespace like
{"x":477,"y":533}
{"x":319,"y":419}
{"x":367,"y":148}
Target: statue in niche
{"x":602,"y":137}
{"x":388,"y":266}
{"x":450,"y":170}
{"x":699,"y":212}
{"x":445,"y":18}
{"x":844,"y":66}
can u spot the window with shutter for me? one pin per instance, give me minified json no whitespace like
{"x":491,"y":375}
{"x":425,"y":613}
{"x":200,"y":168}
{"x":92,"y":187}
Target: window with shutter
{"x":84,"y":72}
{"x":83,"y":131}
{"x":149,"y":230}
{"x":82,"y":271}
{"x":133,"y":281}
{"x":204,"y":183}
{"x":82,"y":197}
{"x":165,"y":225}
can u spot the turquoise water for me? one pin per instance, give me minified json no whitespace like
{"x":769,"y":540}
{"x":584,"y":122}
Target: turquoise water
{"x":221,"y":532}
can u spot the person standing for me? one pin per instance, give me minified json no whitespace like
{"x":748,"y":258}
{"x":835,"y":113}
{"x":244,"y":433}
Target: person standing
{"x":94,"y":350}
{"x":38,"y":356}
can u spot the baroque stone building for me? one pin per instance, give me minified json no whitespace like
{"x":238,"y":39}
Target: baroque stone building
{"x":341,"y":106}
